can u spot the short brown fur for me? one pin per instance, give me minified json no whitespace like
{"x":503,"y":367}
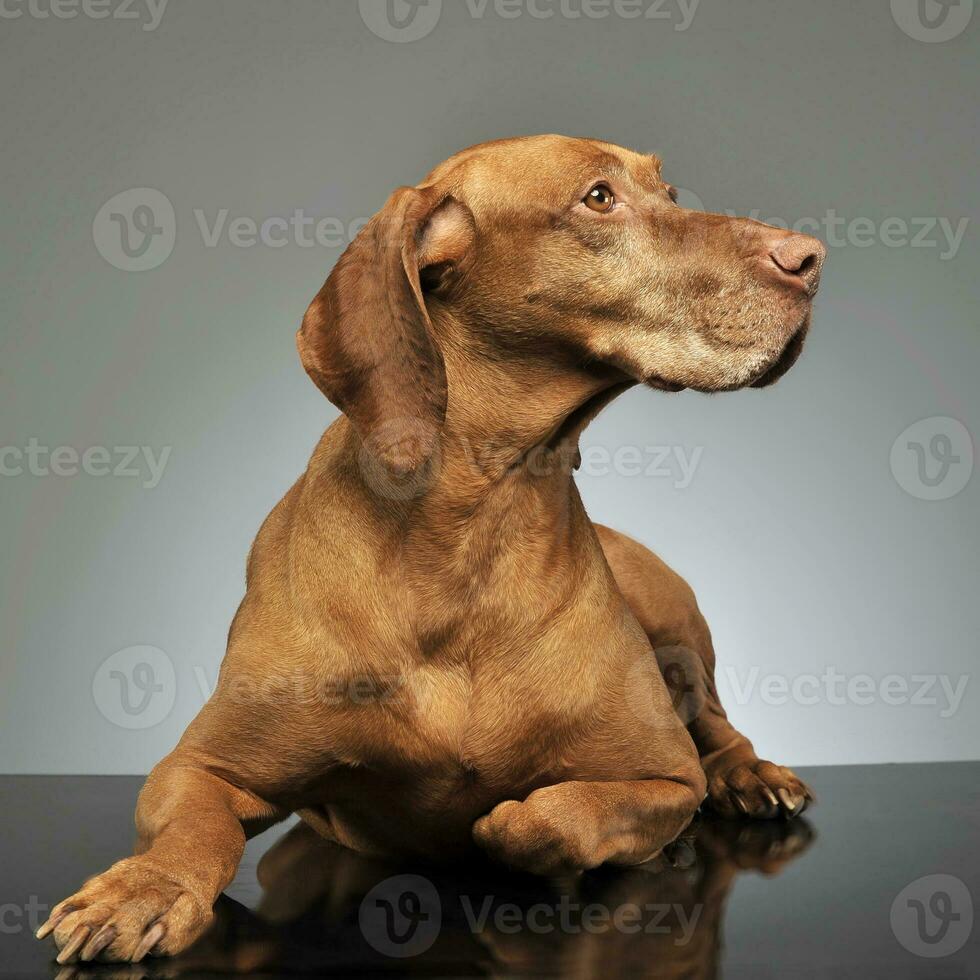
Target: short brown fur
{"x":438,"y":653}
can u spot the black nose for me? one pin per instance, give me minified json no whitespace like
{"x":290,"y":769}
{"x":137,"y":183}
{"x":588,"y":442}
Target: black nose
{"x":800,"y":256}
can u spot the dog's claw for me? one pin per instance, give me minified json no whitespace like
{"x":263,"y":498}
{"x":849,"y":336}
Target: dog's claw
{"x":757,"y":789}
{"x":152,"y":937}
{"x":46,"y":928}
{"x":792,"y":804}
{"x":74,"y":944}
{"x":129,"y":911}
{"x":98,"y":943}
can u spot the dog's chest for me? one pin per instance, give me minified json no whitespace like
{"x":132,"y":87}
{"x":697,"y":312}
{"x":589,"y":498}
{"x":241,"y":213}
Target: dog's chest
{"x":438,"y":705}
{"x":453,"y":721}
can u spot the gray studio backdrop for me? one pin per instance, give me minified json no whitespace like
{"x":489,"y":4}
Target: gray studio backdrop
{"x":178,"y":179}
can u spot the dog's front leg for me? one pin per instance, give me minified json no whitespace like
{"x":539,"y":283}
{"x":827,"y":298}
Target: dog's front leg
{"x":573,"y":826}
{"x":191,"y":838}
{"x":739,"y":782}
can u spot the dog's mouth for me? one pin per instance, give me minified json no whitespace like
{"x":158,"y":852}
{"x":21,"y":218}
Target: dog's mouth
{"x":662,"y":384}
{"x":785,"y":360}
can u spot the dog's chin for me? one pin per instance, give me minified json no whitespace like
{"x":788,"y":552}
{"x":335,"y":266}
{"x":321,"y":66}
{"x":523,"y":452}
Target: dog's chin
{"x":786,"y":359}
{"x":662,"y":384}
{"x":769,"y":374}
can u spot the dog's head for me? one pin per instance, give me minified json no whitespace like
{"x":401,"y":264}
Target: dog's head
{"x":571,"y":248}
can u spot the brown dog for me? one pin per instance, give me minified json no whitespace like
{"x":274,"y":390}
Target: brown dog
{"x":437,"y":650}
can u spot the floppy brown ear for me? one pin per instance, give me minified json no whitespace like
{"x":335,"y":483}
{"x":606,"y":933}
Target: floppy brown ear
{"x":366,"y":339}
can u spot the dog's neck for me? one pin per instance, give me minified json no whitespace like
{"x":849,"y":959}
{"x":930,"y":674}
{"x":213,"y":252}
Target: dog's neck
{"x":496,"y":507}
{"x":501,"y":508}
{"x":513,"y":415}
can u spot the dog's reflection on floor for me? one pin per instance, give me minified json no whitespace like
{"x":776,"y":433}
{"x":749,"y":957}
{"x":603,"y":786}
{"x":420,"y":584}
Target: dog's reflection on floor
{"x":325,"y":910}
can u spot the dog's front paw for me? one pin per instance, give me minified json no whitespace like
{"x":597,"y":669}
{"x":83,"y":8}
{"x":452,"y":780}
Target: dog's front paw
{"x":125,"y":913}
{"x":550,"y":833}
{"x":757,"y":788}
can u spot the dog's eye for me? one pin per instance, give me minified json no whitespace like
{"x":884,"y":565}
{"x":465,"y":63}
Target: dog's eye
{"x":672,"y":192}
{"x":600,"y":198}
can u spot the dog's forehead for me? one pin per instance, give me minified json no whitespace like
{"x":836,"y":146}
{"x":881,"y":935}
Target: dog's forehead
{"x":539,"y":169}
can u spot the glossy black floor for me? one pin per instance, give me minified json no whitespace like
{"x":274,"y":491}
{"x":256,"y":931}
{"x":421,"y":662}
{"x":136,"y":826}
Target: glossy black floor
{"x":848,"y":891}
